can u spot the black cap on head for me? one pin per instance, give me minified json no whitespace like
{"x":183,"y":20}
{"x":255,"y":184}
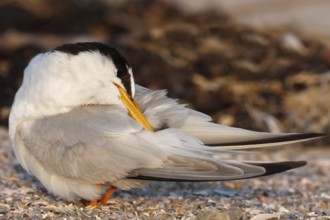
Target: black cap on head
{"x":120,"y":62}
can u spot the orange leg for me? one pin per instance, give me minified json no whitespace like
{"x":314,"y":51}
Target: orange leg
{"x":107,"y":195}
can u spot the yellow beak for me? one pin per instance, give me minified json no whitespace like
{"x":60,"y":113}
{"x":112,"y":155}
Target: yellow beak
{"x":133,"y":109}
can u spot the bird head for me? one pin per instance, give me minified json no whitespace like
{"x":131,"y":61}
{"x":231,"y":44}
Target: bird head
{"x":74,"y":75}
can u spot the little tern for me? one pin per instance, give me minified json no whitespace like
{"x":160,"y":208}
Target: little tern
{"x":81,"y":125}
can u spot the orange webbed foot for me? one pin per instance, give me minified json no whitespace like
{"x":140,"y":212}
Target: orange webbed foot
{"x":93,"y":203}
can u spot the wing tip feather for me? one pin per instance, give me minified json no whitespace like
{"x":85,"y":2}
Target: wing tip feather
{"x":278,"y":167}
{"x":299,"y":137}
{"x":270,"y":167}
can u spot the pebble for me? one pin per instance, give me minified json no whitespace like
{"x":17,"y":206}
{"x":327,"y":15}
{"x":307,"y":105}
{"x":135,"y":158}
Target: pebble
{"x":232,"y":214}
{"x":226,"y":192}
{"x":4,"y":208}
{"x":201,"y":193}
{"x":292,"y":43}
{"x":275,"y":216}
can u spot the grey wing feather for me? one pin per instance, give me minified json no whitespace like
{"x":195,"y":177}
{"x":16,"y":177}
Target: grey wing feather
{"x":188,"y":169}
{"x":95,"y":143}
{"x":237,"y":139}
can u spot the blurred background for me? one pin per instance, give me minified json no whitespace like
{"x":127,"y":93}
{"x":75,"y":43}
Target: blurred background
{"x":261,"y":65}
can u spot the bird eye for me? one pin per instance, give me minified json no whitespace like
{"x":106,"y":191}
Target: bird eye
{"x":120,"y":73}
{"x":125,"y":79}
